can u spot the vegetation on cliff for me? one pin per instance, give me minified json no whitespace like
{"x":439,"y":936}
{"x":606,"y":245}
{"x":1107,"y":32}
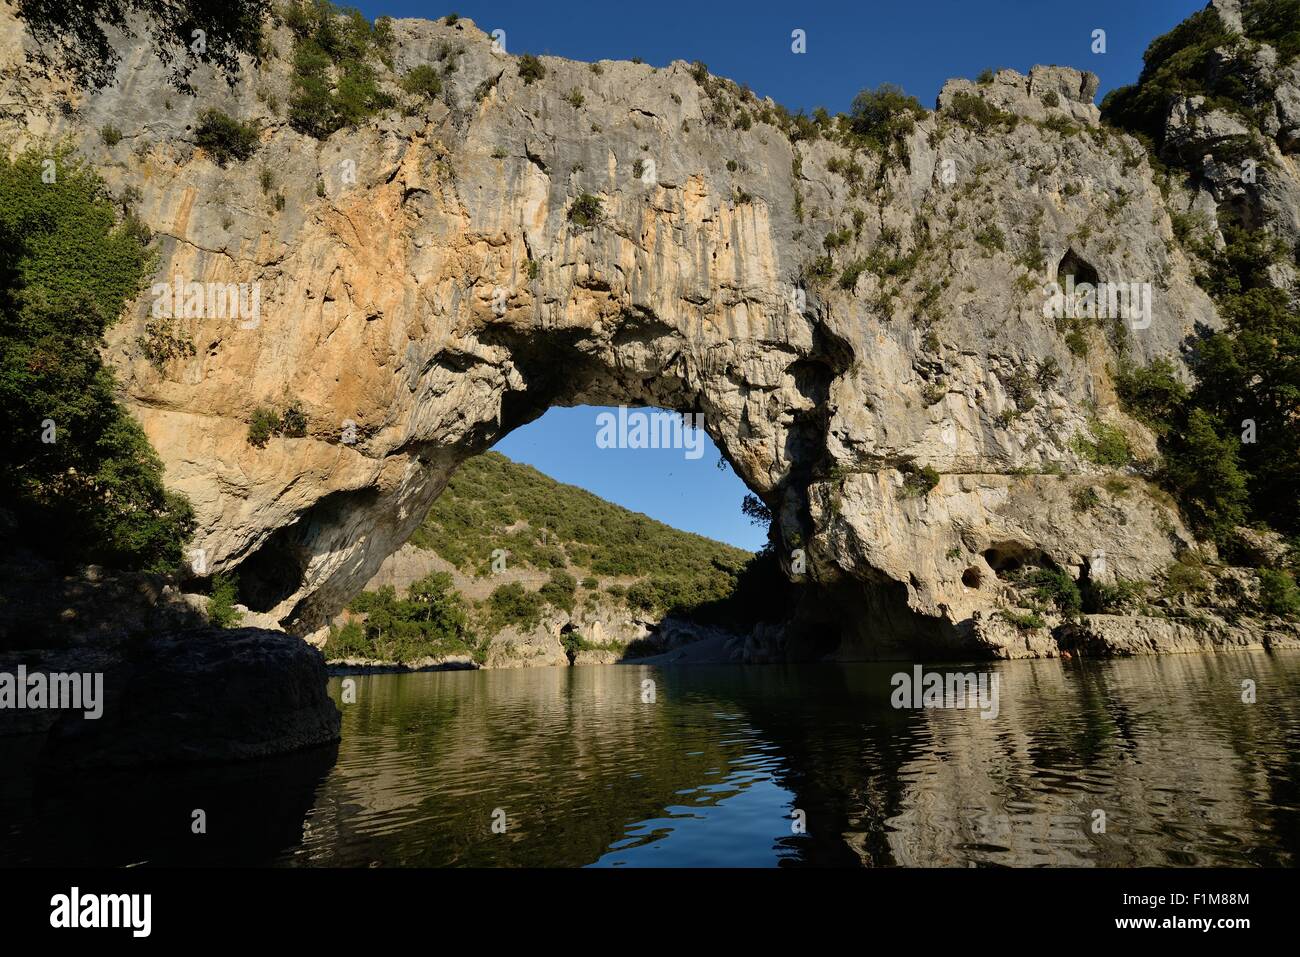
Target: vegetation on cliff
{"x":1230,"y":443}
{"x":493,"y":505}
{"x":79,"y":475}
{"x":1186,"y":62}
{"x":430,"y":621}
{"x":335,"y":80}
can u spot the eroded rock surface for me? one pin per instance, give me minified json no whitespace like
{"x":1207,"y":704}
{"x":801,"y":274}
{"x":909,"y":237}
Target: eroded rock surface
{"x":423,"y":286}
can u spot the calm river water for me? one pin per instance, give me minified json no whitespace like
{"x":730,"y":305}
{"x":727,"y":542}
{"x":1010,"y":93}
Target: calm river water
{"x":1152,"y":761}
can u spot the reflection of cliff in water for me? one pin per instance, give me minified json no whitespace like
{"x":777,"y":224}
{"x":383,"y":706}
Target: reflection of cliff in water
{"x":252,"y":810}
{"x":571,"y":755}
{"x":588,"y":772}
{"x":1185,"y":772}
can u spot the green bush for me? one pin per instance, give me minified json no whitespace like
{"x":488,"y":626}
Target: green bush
{"x":1152,"y":394}
{"x":1203,"y":469}
{"x":334,"y":82}
{"x":1024,"y":621}
{"x":264,"y":424}
{"x":1084,"y":499}
{"x":1278,"y":594}
{"x":849,"y":277}
{"x":972,"y":110}
{"x":423,"y":81}
{"x":530,"y":69}
{"x":429,"y":622}
{"x":1107,"y":447}
{"x":1185,"y":578}
{"x":111,"y":135}
{"x":514,"y":605}
{"x":221,"y":602}
{"x":991,"y":238}
{"x":224,"y":137}
{"x":884,"y":114}
{"x":585,"y":211}
{"x":78,"y":474}
{"x":559,"y":590}
{"x":1055,"y":587}
{"x":1102,"y":598}
{"x":293,"y":423}
{"x":918,"y":480}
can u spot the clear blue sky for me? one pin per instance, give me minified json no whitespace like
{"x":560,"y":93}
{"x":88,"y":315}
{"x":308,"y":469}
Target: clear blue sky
{"x":917,"y":44}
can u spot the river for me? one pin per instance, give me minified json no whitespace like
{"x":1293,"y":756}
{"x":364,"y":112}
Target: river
{"x":1137,"y":762}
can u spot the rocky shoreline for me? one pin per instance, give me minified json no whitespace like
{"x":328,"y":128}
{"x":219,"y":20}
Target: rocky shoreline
{"x":175,"y":698}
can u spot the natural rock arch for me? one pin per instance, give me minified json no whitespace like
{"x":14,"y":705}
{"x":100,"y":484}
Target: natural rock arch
{"x":424,"y":288}
{"x":636,"y":361}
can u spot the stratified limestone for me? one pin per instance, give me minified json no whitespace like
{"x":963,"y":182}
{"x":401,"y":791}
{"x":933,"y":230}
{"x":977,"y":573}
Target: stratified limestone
{"x":423,"y":287}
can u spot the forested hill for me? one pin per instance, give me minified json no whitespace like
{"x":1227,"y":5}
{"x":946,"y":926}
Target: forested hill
{"x":494,"y":504}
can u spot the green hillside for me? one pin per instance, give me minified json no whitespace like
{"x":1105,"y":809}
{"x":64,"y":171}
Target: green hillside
{"x":581,"y":550}
{"x":493,"y":503}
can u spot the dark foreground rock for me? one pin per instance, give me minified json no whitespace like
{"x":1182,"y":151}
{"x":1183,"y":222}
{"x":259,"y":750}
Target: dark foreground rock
{"x":206,"y":695}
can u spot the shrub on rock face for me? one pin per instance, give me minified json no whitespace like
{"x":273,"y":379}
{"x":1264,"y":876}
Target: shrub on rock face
{"x":585,"y":210}
{"x":221,"y":603}
{"x":918,"y":480}
{"x":559,"y":590}
{"x":530,"y":69}
{"x":972,"y":110}
{"x":264,"y":424}
{"x":293,"y":423}
{"x":512,"y":604}
{"x":224,"y":137}
{"x":335,"y":82}
{"x":423,"y":81}
{"x":1056,"y":587}
{"x":885,"y":113}
{"x":1108,"y":445}
{"x":1278,"y":593}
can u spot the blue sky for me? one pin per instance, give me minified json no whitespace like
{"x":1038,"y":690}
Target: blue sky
{"x":917,"y":44}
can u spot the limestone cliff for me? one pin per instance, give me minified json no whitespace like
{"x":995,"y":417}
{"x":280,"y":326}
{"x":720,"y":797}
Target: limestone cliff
{"x":425,"y":290}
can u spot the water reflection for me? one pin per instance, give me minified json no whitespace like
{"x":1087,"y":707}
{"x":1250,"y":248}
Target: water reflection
{"x":719,"y":767}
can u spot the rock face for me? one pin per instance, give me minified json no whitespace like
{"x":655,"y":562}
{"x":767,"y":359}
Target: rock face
{"x":187,"y":697}
{"x":424,"y":289}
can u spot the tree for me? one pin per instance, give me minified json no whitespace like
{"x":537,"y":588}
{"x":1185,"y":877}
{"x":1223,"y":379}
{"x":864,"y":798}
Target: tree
{"x":754,"y":509}
{"x":1204,"y":471}
{"x":884,"y":113}
{"x":78,"y":471}
{"x":221,"y":603}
